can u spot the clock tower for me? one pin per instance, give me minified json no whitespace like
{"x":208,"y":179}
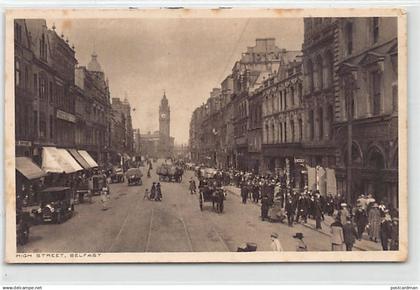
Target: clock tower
{"x":164,"y":118}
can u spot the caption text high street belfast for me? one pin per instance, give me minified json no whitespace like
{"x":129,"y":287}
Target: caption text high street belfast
{"x":118,"y":148}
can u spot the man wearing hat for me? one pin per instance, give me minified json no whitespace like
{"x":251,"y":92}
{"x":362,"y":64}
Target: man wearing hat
{"x":300,"y":245}
{"x":349,"y":234}
{"x":395,"y":234}
{"x":275,"y":243}
{"x":386,"y":231}
{"x":343,"y":213}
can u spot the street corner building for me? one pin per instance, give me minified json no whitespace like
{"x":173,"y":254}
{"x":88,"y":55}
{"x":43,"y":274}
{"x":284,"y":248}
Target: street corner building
{"x":65,"y":122}
{"x":324,"y":117}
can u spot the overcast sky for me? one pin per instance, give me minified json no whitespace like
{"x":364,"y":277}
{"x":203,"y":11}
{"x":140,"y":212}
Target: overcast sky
{"x":185,"y":57}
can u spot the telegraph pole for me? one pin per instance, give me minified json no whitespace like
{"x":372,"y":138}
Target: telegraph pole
{"x":349,"y":91}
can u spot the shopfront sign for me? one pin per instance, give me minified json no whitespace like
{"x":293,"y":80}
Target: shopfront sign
{"x":23,"y":143}
{"x":66,"y":116}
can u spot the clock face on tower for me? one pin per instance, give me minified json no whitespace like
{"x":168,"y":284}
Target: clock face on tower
{"x":163,"y":115}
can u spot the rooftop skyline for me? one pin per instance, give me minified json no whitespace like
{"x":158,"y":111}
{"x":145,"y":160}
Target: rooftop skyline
{"x":142,"y":58}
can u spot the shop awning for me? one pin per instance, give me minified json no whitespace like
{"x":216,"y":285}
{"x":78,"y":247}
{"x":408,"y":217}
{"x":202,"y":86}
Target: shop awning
{"x":79,"y":158}
{"x":65,"y":155}
{"x":88,"y":158}
{"x":54,"y":162}
{"x":29,"y":169}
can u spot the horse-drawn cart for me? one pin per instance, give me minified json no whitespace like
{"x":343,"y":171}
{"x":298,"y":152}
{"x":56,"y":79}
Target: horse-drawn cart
{"x":210,"y":190}
{"x":170,"y":173}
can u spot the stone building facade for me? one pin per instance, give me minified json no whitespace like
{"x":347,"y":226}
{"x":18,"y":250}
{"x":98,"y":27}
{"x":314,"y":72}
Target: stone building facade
{"x":93,"y":111}
{"x":256,"y":64}
{"x":327,"y":120}
{"x":122,"y":139}
{"x":25,"y":129}
{"x":366,"y":128}
{"x":319,"y":89}
{"x":44,"y":83}
{"x":282,"y":124}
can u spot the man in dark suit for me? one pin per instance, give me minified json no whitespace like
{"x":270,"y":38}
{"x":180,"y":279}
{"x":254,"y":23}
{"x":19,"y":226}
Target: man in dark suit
{"x":290,"y":211}
{"x":350,"y":234}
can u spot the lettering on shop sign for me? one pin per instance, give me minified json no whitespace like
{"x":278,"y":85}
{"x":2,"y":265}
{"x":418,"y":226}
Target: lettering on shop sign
{"x":66,"y":116}
{"x":23,"y":143}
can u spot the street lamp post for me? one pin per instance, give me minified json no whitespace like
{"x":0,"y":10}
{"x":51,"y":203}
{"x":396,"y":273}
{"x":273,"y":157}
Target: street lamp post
{"x":350,"y":86}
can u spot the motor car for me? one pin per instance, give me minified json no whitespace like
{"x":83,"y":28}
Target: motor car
{"x":83,"y":193}
{"x":56,"y":205}
{"x":134,"y":176}
{"x":97,"y":183}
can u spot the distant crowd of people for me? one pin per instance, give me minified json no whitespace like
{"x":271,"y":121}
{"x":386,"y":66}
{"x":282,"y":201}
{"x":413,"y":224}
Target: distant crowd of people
{"x":281,"y":203}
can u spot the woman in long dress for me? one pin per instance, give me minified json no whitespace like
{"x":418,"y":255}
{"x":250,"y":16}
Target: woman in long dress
{"x":337,"y":235}
{"x":374,"y":219}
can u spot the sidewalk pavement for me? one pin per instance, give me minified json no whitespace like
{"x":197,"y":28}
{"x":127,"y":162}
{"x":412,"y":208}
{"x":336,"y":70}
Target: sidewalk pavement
{"x":363,"y":245}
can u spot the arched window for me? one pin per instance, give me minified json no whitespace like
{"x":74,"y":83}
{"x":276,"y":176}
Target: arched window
{"x":310,"y":75}
{"x":292,"y":95}
{"x":330,"y":122}
{"x":273,"y":105}
{"x":266,"y":106}
{"x":318,"y":73}
{"x":285,"y":131}
{"x":375,"y":29}
{"x":376,"y":87}
{"x":300,"y":130}
{"x":292,"y":129}
{"x":265,"y":131}
{"x":268,"y":133}
{"x":281,"y":101}
{"x":311,"y":125}
{"x":376,"y":159}
{"x":18,"y":73}
{"x":349,"y":38}
{"x":328,"y":69}
{"x":321,"y":123}
{"x":273,"y":132}
{"x":281,"y":132}
{"x":356,"y":155}
{"x":300,"y":93}
{"x":285,"y":99}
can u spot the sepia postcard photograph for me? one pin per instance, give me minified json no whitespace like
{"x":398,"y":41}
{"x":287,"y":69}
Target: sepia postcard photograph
{"x":199,"y":136}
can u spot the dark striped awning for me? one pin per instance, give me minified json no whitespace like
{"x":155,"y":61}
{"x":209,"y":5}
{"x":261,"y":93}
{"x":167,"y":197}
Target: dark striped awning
{"x":79,"y":158}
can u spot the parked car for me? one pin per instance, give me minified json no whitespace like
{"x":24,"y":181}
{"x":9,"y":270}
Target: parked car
{"x":98,"y":183}
{"x":117,"y":175}
{"x":22,"y":227}
{"x":82,"y":191}
{"x":134,"y":176}
{"x":57,"y":205}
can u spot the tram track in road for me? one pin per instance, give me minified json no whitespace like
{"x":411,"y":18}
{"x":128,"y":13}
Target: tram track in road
{"x":187,"y":233}
{"x":212,"y":226}
{"x":149,"y":232}
{"x":123,"y":225}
